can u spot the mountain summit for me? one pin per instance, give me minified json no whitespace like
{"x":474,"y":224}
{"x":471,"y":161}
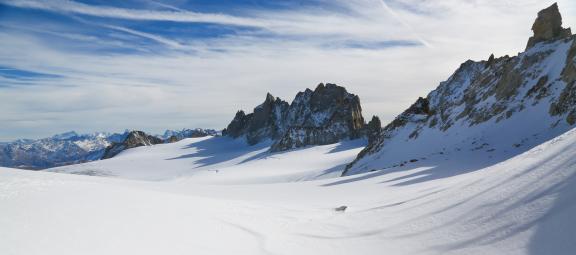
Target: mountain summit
{"x":548,"y":26}
{"x":487,"y":111}
{"x":325,"y":115}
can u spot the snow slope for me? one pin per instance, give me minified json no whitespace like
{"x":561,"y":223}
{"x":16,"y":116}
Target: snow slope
{"x":524,"y":205}
{"x":223,"y":159}
{"x":486,"y":112}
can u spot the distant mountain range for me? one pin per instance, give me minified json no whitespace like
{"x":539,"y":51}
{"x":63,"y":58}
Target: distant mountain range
{"x":73,"y":148}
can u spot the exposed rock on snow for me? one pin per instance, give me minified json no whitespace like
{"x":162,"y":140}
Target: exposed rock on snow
{"x":133,"y":139}
{"x":323,"y":116}
{"x":341,"y":208}
{"x":548,"y":26}
{"x":487,"y":106}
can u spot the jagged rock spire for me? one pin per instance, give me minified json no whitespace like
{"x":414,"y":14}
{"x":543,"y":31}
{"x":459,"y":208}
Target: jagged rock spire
{"x":548,"y":26}
{"x":323,"y":116}
{"x":373,"y":129}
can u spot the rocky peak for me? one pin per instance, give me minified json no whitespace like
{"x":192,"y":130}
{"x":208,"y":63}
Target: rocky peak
{"x":548,"y":26}
{"x":490,"y":61}
{"x":373,"y":129}
{"x":266,"y":121}
{"x":314,"y":108}
{"x":323,"y":116}
{"x":133,"y":139}
{"x":66,"y":135}
{"x":503,"y":105}
{"x":238,"y":125}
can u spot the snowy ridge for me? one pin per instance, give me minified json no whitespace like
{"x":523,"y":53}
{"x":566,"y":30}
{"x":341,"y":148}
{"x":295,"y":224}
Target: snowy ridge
{"x":486,"y":111}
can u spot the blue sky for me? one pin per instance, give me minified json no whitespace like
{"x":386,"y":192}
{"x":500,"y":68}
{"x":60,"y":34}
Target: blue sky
{"x":153,"y":65}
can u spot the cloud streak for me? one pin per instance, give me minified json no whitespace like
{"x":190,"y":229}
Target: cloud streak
{"x":71,"y":7}
{"x":117,"y":68}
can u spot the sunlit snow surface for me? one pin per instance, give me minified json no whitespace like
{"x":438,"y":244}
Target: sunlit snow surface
{"x":219,"y":196}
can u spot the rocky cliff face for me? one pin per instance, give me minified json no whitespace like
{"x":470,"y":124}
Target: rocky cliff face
{"x":323,"y":116}
{"x":548,"y":26}
{"x":373,"y":129}
{"x":133,"y":139}
{"x":492,"y":109}
{"x":266,"y":121}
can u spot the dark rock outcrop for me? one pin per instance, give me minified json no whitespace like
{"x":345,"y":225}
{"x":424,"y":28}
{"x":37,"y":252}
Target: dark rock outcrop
{"x":238,"y":126}
{"x":418,"y":110}
{"x":548,"y":26}
{"x":323,"y":116}
{"x":373,"y":129}
{"x":133,"y":139}
{"x":267,"y":121}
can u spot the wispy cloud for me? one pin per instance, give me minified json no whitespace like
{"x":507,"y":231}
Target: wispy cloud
{"x":65,"y":6}
{"x":403,"y":22}
{"x":117,"y":68}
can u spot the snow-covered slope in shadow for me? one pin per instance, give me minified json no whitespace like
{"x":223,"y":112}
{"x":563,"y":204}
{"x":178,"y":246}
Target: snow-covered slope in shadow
{"x":524,"y":205}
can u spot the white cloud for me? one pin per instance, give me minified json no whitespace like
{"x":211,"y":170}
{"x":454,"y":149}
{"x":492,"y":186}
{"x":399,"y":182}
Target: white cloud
{"x":204,"y":87}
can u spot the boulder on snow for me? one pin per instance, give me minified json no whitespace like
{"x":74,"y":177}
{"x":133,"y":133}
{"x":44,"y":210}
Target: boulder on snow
{"x":341,"y":208}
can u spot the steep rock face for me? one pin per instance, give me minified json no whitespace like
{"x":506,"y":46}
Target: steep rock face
{"x":548,"y":26}
{"x":323,"y":116}
{"x":373,"y":129}
{"x":238,"y":126}
{"x":133,"y":139}
{"x":486,"y":111}
{"x":267,"y":121}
